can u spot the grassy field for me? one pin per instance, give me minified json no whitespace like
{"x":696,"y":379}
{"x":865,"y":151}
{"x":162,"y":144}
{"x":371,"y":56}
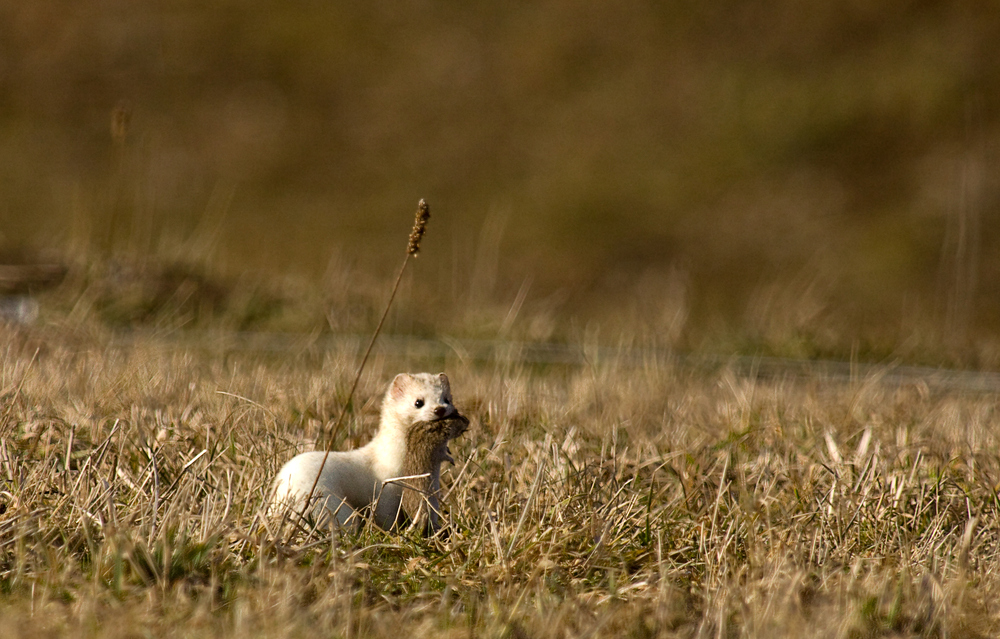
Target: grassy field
{"x":620,"y":498}
{"x":227,"y":187}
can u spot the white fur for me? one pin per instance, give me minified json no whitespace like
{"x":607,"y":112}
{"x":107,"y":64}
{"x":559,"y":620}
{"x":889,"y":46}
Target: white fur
{"x":352,"y":480}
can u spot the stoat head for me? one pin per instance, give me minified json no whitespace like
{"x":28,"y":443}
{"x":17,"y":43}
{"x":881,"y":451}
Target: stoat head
{"x":419,"y":397}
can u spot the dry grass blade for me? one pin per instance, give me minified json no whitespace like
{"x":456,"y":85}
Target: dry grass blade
{"x":525,"y":511}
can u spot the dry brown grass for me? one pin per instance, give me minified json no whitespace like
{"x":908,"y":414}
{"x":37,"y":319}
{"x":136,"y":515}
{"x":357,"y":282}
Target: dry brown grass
{"x":613,"y":499}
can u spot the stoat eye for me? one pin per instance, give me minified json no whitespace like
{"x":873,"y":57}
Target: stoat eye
{"x":419,"y":403}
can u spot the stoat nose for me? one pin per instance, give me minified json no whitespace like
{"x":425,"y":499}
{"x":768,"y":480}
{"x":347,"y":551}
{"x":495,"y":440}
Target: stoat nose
{"x":440,"y":411}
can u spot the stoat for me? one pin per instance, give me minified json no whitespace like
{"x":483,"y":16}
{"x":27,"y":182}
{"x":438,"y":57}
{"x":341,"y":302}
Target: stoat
{"x":418,"y":419}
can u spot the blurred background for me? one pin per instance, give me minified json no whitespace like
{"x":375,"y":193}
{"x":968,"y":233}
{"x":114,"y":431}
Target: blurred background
{"x":800,"y":179}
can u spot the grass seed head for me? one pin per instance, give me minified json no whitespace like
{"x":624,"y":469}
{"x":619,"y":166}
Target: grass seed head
{"x":419,"y":227}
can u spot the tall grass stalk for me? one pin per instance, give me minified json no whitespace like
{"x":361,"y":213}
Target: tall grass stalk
{"x":412,"y":250}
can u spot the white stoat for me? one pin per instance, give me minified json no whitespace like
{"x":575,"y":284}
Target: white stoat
{"x":355,"y":479}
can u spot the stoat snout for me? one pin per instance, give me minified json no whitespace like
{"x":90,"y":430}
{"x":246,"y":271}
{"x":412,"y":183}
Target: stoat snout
{"x":442,"y":411}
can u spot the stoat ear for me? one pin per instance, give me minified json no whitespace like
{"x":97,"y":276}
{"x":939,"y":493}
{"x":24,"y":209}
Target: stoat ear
{"x":444,"y":382}
{"x":397,"y":390}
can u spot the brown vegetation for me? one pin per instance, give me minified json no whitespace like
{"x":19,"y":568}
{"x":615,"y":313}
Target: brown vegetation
{"x":623,"y":497}
{"x":764,"y":175}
